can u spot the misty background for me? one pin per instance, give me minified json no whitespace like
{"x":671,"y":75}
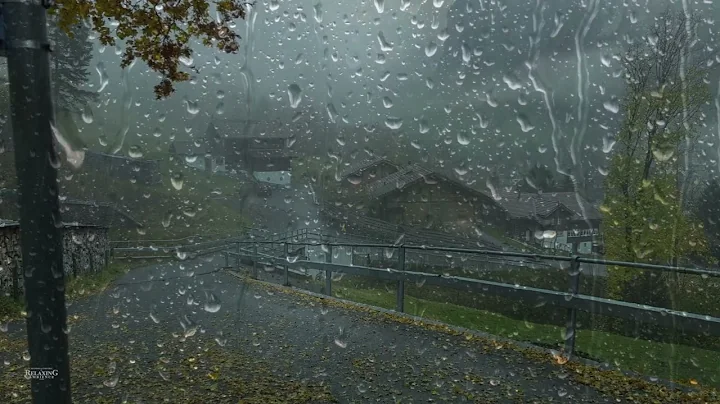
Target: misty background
{"x":467,"y":86}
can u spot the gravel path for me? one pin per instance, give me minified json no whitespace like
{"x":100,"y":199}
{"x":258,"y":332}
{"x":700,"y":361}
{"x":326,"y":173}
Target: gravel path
{"x":187,"y":332}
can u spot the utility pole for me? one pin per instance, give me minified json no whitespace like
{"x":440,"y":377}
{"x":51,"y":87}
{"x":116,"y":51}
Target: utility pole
{"x":41,"y":228}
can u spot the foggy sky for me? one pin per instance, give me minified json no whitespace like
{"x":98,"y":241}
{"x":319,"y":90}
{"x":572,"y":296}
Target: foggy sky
{"x":486,"y":99}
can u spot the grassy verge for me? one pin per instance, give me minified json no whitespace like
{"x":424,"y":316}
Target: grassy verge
{"x":94,"y":283}
{"x":10,"y":309}
{"x":681,"y":363}
{"x":613,"y":383}
{"x":500,"y":235}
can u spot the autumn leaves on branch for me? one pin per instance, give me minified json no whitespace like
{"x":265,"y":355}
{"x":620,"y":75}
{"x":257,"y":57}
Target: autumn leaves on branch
{"x":158,"y":32}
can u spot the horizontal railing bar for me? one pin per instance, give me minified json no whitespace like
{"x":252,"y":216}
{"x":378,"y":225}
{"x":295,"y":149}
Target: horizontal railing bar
{"x":684,"y":270}
{"x":534,"y":257}
{"x":592,"y":304}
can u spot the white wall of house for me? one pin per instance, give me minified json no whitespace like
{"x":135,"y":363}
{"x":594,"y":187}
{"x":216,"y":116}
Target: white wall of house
{"x":274,"y":177}
{"x":198,"y":163}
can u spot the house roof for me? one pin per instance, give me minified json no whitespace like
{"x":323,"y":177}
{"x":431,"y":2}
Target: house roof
{"x":526,"y":205}
{"x":8,"y":223}
{"x":398,"y":180}
{"x":91,"y":154}
{"x":270,"y":153}
{"x":73,"y":212}
{"x":241,"y":128}
{"x":362,"y":165}
{"x":188,"y":148}
{"x":412,"y":174}
{"x":12,"y":223}
{"x":94,"y":213}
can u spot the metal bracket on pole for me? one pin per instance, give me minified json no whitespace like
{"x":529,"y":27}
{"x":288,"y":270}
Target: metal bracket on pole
{"x":26,"y":44}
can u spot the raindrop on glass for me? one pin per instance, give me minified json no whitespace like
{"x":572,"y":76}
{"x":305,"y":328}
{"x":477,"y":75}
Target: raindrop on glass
{"x":387,"y":102}
{"x":394,"y":123}
{"x":612,"y":106}
{"x":87,"y":114}
{"x":135,"y":152}
{"x":380,"y":6}
{"x":295,"y":95}
{"x":212,"y":303}
{"x":430,"y":49}
{"x":104,"y":79}
{"x":318,"y":12}
{"x":524,"y":122}
{"x":177,"y":181}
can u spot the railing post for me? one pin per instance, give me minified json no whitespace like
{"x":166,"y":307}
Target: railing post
{"x":255,"y":260}
{"x":352,"y":255}
{"x":400,"y":307}
{"x":237,"y":257}
{"x":287,"y":266}
{"x":570,"y":330}
{"x":328,"y":273}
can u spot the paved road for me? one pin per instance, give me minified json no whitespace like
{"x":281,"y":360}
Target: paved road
{"x":184,"y":332}
{"x":287,"y":208}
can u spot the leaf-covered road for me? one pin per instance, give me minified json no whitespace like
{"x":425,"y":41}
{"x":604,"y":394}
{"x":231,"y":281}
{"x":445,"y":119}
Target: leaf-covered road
{"x":186,"y":333}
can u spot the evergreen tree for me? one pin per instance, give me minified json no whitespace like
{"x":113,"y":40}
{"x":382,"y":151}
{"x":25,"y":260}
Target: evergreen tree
{"x":69,"y":66}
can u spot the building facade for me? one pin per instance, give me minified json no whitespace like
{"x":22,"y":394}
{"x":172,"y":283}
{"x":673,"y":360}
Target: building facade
{"x":253,"y":146}
{"x":416,"y":196}
{"x":556,"y":220}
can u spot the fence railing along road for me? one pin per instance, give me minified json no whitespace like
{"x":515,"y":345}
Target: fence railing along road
{"x":289,"y":251}
{"x":251,"y":253}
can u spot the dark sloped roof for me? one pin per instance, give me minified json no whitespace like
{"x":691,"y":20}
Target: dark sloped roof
{"x":575,"y":203}
{"x":398,"y":180}
{"x":526,"y":205}
{"x":362,"y":165}
{"x":270,"y":153}
{"x":8,"y":223}
{"x":188,"y":148}
{"x":240,"y":128}
{"x":74,"y":212}
{"x":91,"y":155}
{"x":413,"y":174}
{"x":93,"y":213}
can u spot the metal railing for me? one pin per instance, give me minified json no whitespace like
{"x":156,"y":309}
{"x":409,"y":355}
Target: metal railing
{"x":583,"y":233}
{"x":184,"y":241}
{"x":571,"y":300}
{"x":382,"y":229}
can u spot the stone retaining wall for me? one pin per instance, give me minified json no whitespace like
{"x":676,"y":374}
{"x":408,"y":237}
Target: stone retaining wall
{"x":84,"y":251}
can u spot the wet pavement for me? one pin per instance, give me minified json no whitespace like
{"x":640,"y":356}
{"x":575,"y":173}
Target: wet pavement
{"x":191,"y":332}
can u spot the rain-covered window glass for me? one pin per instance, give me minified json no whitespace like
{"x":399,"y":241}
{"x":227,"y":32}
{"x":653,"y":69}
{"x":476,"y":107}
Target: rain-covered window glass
{"x":394,"y":201}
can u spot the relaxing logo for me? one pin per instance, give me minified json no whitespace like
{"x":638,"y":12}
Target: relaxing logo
{"x":40,"y":373}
